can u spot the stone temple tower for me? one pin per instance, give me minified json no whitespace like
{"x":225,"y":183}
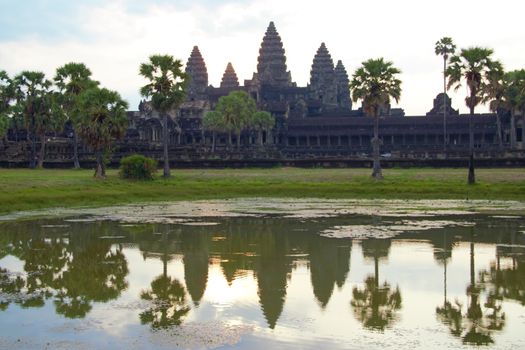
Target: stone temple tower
{"x":271,"y":66}
{"x":343,"y":89}
{"x":229,"y":79}
{"x":196,"y":69}
{"x":323,"y":80}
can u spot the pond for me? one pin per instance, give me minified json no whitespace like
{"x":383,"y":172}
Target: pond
{"x":264,"y":273}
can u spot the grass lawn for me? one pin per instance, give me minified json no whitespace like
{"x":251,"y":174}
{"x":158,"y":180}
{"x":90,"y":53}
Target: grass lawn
{"x":24,"y":189}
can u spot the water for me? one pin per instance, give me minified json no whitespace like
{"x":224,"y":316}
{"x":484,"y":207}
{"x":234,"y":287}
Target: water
{"x":259,"y":275}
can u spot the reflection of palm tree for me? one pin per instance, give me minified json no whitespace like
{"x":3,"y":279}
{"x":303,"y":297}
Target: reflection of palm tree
{"x":44,"y":259}
{"x":74,"y":272}
{"x":375,"y":305}
{"x":449,"y":313}
{"x":96,"y":273}
{"x":474,"y":327}
{"x":9,"y":286}
{"x":168,"y":298}
{"x":509,"y":282}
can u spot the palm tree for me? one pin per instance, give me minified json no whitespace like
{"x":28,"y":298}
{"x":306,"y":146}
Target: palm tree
{"x":494,"y":89}
{"x":35,"y":105}
{"x":375,"y":83}
{"x":72,"y":79}
{"x":167,"y":85}
{"x":473,"y":65}
{"x":50,"y":119}
{"x":514,"y":100}
{"x":101,"y":120}
{"x":214,"y":122}
{"x":445,"y":47}
{"x":262,"y":121}
{"x":237,"y":109}
{"x":6,"y":96}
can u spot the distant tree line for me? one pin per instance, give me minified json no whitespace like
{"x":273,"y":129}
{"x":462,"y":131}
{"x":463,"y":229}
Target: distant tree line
{"x":236,"y":113}
{"x":39,"y":105}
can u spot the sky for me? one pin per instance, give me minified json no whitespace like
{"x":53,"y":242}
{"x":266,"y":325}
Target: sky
{"x":113,"y":37}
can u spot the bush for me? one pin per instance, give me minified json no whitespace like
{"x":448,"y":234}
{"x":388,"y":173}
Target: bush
{"x":137,"y":167}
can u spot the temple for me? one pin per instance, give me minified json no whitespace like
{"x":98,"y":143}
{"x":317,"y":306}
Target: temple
{"x":315,"y":124}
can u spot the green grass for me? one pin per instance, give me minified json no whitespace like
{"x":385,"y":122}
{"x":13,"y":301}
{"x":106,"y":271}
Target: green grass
{"x":23,"y":189}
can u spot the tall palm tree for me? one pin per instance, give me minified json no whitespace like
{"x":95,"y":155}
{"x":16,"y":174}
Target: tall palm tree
{"x":473,"y":65}
{"x":6,"y":96}
{"x":262,"y":121}
{"x":34,"y":104}
{"x":72,"y":79}
{"x":375,"y":83}
{"x":514,"y":100}
{"x":167,"y":89}
{"x":102,"y":120}
{"x":445,"y":47}
{"x":237,"y":109}
{"x":495,"y":88}
{"x":214,"y":122}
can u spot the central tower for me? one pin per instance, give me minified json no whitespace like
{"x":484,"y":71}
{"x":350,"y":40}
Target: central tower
{"x":271,"y":66}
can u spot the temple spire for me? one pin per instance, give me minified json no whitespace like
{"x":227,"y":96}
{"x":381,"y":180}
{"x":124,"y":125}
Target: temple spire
{"x":343,"y":89}
{"x":196,"y":69}
{"x":229,"y":79}
{"x":271,"y":67}
{"x":322,"y":78}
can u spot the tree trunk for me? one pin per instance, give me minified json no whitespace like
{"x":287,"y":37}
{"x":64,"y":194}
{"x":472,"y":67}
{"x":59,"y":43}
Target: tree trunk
{"x":472,"y":265}
{"x":103,"y":165}
{"x":471,"y":130}
{"x":230,"y":139}
{"x":376,"y":271}
{"x":523,"y":130}
{"x":238,"y":141}
{"x":99,"y":169}
{"x":376,"y":172}
{"x":445,"y":268}
{"x":471,"y":173}
{"x":512,"y":130}
{"x":165,"y":144}
{"x":213,"y":137}
{"x":260,"y":136}
{"x":42,"y":153}
{"x":32,"y":140}
{"x":498,"y":130}
{"x":76,"y":163}
{"x":444,"y":103}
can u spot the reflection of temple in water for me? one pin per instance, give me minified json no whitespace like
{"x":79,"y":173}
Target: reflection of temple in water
{"x":196,"y":256}
{"x":329,"y":266}
{"x":86,"y":262}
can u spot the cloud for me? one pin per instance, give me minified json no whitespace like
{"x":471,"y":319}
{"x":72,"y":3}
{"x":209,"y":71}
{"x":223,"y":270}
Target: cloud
{"x":113,"y":38}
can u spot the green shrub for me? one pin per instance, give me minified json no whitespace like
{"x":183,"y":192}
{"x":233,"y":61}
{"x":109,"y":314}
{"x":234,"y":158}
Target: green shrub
{"x":137,"y":167}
